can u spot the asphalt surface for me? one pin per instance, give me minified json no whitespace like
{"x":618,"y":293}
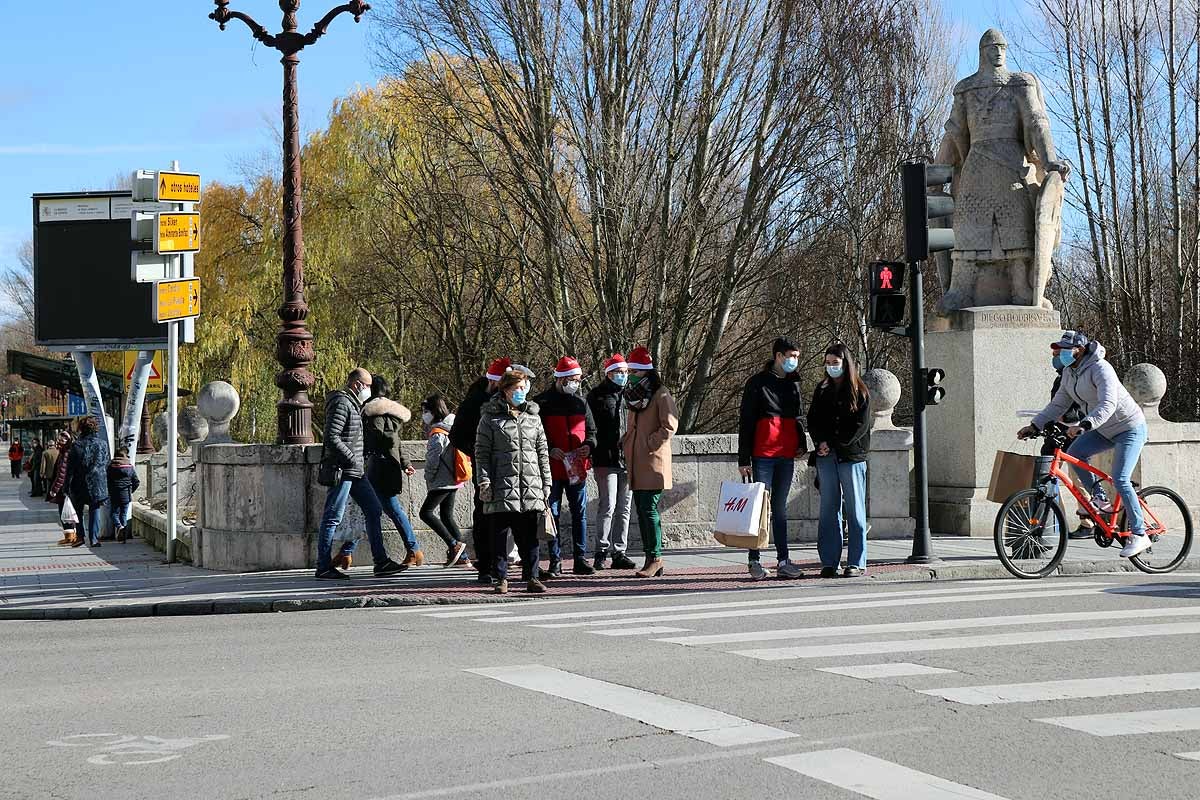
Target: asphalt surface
{"x":372,"y":704}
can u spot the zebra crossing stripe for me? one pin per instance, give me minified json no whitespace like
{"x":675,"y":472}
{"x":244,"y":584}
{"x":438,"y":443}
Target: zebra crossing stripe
{"x":873,"y":777}
{"x":899,"y":670}
{"x":686,"y":719}
{"x":1168,"y":720}
{"x":1068,"y":689}
{"x":972,"y":642}
{"x":639,"y":631}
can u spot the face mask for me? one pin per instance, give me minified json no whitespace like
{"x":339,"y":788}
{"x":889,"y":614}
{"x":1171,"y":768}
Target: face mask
{"x":634,"y":380}
{"x":518,"y":397}
{"x":618,"y":378}
{"x":1067,"y":357}
{"x":571,"y":387}
{"x":363,"y":394}
{"x":834,"y":372}
{"x":427,"y":418}
{"x":1057,"y":363}
{"x":790,"y":363}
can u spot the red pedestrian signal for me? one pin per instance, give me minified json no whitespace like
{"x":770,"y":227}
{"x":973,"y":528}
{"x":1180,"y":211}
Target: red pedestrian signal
{"x":888,"y":303}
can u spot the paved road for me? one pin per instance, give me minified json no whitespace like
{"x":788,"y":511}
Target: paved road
{"x":1071,"y":688}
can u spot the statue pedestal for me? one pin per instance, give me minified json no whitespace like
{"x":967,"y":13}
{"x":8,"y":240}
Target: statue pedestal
{"x":997,"y":363}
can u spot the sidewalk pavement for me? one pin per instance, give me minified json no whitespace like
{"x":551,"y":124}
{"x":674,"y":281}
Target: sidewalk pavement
{"x":40,"y":580}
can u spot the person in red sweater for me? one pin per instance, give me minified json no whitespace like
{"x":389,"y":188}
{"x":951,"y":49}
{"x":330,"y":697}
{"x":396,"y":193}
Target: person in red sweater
{"x":770,"y":438}
{"x":571,"y":435}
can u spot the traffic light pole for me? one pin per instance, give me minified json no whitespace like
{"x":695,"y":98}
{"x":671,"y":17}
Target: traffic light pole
{"x":922,"y":552}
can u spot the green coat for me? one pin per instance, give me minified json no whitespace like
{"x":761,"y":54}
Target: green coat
{"x":511,"y":454}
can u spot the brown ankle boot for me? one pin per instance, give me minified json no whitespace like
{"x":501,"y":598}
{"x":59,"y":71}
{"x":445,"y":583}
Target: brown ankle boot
{"x":67,"y":538}
{"x":652,"y":569}
{"x":415,"y":558}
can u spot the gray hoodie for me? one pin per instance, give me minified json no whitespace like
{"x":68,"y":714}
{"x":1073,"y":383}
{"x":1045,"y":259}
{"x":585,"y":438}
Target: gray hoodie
{"x":439,"y":457}
{"x":1092,"y":383}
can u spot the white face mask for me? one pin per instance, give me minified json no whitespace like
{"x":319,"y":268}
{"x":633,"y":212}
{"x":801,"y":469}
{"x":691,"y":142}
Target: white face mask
{"x":363,"y":394}
{"x":427,"y":417}
{"x":571,"y":387}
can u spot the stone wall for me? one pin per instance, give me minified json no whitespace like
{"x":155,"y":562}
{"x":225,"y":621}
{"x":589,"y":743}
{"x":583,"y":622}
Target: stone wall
{"x":261,"y":506}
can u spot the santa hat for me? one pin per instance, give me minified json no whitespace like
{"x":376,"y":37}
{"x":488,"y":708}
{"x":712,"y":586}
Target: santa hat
{"x":616,"y":362}
{"x":640,"y":359}
{"x":567,"y":367}
{"x":497,"y":368}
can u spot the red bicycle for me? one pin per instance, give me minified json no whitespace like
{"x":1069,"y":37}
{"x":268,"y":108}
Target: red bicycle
{"x":1031,"y":527}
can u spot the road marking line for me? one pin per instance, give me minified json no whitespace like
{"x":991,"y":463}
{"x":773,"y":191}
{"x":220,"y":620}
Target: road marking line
{"x":885,"y":601}
{"x":1188,"y":756}
{"x":971,"y":642}
{"x":686,"y":719}
{"x":1169,"y":720}
{"x":984,"y":586}
{"x":964,"y":623}
{"x":899,"y":670}
{"x":1068,"y":689}
{"x":490,"y":612}
{"x":652,"y":629}
{"x":873,"y":777}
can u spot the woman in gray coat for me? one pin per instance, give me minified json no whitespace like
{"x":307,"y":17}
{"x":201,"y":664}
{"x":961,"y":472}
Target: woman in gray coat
{"x":512,"y":467}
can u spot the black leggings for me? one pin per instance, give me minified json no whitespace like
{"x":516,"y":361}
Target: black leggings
{"x":442,"y":523}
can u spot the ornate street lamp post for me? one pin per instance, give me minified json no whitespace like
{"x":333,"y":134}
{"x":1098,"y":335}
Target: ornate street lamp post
{"x":294,"y":346}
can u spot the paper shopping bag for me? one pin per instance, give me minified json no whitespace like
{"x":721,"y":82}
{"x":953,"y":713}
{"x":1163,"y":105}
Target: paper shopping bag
{"x":744,"y":516}
{"x":1011,"y":472}
{"x":546,"y":530}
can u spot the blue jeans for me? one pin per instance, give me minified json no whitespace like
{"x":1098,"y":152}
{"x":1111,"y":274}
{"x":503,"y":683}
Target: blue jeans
{"x":391,"y":506}
{"x":335,"y":508}
{"x":842,"y":484}
{"x":120,"y":514}
{"x":1127,"y":448}
{"x":93,"y":517}
{"x":777,"y":474}
{"x":577,"y":498}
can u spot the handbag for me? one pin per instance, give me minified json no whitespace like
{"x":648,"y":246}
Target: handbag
{"x":329,"y":474}
{"x":547,"y":531}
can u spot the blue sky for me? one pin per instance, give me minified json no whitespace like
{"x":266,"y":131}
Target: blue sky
{"x":91,"y":90}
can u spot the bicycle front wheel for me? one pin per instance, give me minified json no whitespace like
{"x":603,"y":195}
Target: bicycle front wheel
{"x":1030,"y":534}
{"x":1169,"y":526}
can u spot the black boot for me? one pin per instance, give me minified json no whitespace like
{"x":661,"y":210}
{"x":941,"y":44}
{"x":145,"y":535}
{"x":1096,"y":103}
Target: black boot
{"x":622,"y":561}
{"x":599,"y":564}
{"x":582,"y":567}
{"x":553,"y":571}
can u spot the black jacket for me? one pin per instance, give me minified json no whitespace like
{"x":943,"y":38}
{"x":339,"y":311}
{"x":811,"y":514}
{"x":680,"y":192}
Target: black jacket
{"x":766,"y":396}
{"x":466,"y":420}
{"x":122,"y":482}
{"x":830,"y":420}
{"x":344,"y":434}
{"x":383,"y":420}
{"x":609,"y":413}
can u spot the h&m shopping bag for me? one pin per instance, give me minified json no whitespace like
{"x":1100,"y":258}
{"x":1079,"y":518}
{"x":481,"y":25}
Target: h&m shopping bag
{"x":1011,"y":472}
{"x":744,"y":516}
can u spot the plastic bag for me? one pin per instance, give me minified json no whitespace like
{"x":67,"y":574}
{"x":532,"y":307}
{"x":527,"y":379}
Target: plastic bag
{"x":69,"y":518}
{"x":573,"y":463}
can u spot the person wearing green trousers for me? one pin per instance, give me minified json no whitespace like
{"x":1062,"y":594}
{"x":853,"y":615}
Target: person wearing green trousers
{"x":653,"y":420}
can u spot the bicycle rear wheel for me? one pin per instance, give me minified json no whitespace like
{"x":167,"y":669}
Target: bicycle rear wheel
{"x":1169,"y":526}
{"x":1030,"y":534}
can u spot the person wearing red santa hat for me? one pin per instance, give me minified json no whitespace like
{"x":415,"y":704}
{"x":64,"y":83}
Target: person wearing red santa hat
{"x":615,"y":498}
{"x":652,"y":422}
{"x":571,"y":435}
{"x":462,"y":438}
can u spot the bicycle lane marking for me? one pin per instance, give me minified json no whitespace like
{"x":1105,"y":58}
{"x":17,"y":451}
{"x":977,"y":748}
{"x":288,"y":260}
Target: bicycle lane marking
{"x":128,"y":750}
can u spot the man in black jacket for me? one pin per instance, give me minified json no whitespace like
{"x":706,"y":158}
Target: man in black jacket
{"x":608,"y":459}
{"x":770,"y":437}
{"x":462,"y":438}
{"x":343,"y":448}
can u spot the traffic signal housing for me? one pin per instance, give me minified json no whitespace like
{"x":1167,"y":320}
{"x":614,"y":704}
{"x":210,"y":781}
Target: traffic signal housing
{"x":934,"y":391}
{"x":888,"y":301}
{"x":916,"y":179}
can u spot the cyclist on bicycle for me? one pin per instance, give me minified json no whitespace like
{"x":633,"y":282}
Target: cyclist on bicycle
{"x":1112,"y":420}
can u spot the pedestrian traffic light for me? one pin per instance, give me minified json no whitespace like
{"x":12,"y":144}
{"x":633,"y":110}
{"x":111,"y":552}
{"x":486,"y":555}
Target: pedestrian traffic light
{"x":888,"y":302}
{"x":934,"y":391}
{"x":920,"y":240}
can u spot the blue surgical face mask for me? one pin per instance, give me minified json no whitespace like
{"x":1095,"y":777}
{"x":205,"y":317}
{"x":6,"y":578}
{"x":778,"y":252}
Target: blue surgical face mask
{"x":790,"y":363}
{"x":1067,"y":357}
{"x":1057,"y":363}
{"x":834,"y":372}
{"x":518,"y":397}
{"x":618,"y":378}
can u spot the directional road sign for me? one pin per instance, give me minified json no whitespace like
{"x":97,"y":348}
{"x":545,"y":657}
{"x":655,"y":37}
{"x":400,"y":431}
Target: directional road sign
{"x":177,"y":232}
{"x":177,"y":187}
{"x":176,"y":299}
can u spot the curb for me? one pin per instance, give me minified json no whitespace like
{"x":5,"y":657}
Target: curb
{"x":236,"y":605}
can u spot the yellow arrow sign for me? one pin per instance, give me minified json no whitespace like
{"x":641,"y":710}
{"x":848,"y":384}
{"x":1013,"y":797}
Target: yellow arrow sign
{"x":178,"y":187}
{"x":176,"y":299}
{"x":177,"y":232}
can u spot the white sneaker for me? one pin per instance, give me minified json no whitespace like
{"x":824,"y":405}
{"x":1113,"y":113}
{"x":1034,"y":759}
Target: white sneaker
{"x":787,"y":569}
{"x":1135,"y":545}
{"x":758,"y":572}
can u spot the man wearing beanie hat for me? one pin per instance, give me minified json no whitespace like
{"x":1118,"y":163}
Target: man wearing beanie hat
{"x":462,"y":438}
{"x":611,"y":479}
{"x":571,"y":435}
